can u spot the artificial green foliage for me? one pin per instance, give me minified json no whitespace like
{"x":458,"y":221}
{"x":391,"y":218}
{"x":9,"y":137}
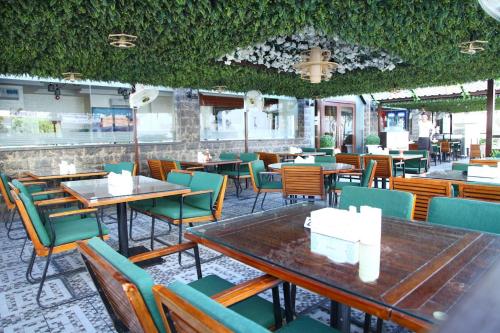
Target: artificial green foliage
{"x":326,"y":141}
{"x":447,"y":105}
{"x":372,"y":139}
{"x":179,"y":41}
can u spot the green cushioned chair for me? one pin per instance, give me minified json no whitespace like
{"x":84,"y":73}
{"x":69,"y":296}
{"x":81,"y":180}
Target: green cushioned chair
{"x":119,"y":167}
{"x":393,"y":203}
{"x":465,"y":213}
{"x":324,"y":159}
{"x":415,"y":166}
{"x":328,"y":151}
{"x":255,"y":308}
{"x":203,"y":204}
{"x":241,"y":171}
{"x":262,"y":184}
{"x":367,"y":177}
{"x":186,"y":302}
{"x":308,"y":149}
{"x":54,"y":235}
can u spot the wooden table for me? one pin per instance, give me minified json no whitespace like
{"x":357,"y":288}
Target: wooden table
{"x":328,"y":168}
{"x":492,"y":161}
{"x":55,"y":173}
{"x":100,"y":192}
{"x":423,"y":268}
{"x":286,"y":155}
{"x":457,"y":177}
{"x":211,"y":163}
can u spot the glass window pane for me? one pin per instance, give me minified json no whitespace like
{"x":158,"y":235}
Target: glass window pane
{"x":277,"y":120}
{"x":221,"y":123}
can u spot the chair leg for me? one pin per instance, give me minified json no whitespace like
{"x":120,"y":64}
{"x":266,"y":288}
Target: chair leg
{"x":367,"y":323}
{"x":180,"y":241}
{"x":278,"y":320}
{"x":380,"y":325}
{"x":22,"y":251}
{"x":256,"y":197}
{"x":152,"y":233}
{"x":44,"y":275}
{"x":10,"y":229}
{"x":263,"y":199}
{"x":29,"y":270}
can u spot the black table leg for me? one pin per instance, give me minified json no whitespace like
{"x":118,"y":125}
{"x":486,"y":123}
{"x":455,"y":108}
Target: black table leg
{"x":341,"y":319}
{"x":121,"y":216}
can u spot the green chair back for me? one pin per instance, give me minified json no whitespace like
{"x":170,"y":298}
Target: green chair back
{"x":179,"y":178}
{"x":203,"y":181}
{"x":22,"y":189}
{"x":35,"y":218}
{"x":328,"y":151}
{"x":5,"y":184}
{"x":135,"y":274}
{"x":119,"y":167}
{"x":459,"y":166}
{"x":308,"y":149}
{"x":257,"y":167}
{"x":325,"y":159}
{"x":465,"y":213}
{"x":227,"y":317}
{"x":365,"y":178}
{"x":393,"y":203}
{"x":249,"y":157}
{"x":228,"y":156}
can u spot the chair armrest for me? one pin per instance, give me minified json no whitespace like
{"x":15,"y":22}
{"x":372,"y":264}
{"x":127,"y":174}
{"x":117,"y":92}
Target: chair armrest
{"x":56,"y":201}
{"x":197,"y":193}
{"x":245,"y":290}
{"x":350,"y":171}
{"x":187,"y":171}
{"x":352,"y":174}
{"x":34,"y":183}
{"x":54,"y":191}
{"x":194,"y":168}
{"x":73,"y":212}
{"x":269,"y":173}
{"x":162,"y":252}
{"x":26,"y":179}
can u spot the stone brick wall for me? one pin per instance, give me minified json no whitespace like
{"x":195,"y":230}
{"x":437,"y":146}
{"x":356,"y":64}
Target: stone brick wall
{"x":188,"y":143}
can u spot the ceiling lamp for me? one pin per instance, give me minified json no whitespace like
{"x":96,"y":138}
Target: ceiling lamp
{"x":123,"y":41}
{"x":72,"y":76}
{"x":472,"y":47}
{"x":315,"y":65}
{"x":219,"y":89}
{"x":491,"y":7}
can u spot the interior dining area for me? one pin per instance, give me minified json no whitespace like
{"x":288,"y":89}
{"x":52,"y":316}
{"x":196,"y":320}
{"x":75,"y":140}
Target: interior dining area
{"x":249,"y":166}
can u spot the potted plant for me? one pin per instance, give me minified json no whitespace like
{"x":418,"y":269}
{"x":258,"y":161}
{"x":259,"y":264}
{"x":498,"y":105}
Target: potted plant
{"x":327,"y":143}
{"x":372,"y":142}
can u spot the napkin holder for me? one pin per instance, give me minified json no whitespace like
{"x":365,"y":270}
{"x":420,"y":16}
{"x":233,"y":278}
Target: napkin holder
{"x":309,"y":159}
{"x":299,"y":160}
{"x":200,"y":157}
{"x":120,"y":184}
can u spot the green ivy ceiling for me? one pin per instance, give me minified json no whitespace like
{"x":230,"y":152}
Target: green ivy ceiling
{"x":180,"y":43}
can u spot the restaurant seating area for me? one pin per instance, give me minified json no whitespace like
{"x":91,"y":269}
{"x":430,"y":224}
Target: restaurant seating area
{"x":249,"y":166}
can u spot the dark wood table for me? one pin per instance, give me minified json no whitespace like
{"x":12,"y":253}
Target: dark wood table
{"x":424,"y":269}
{"x":328,"y":168}
{"x":287,"y":155}
{"x":55,"y":173}
{"x":94,"y":193}
{"x":211,"y":163}
{"x":457,"y":177}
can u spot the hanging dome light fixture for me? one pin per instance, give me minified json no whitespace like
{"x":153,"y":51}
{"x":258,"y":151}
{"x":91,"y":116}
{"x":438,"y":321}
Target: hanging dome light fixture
{"x":72,"y":76}
{"x":122,"y":41}
{"x":315,"y":65}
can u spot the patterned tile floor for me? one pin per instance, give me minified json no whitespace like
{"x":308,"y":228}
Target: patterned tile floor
{"x":20,"y":313}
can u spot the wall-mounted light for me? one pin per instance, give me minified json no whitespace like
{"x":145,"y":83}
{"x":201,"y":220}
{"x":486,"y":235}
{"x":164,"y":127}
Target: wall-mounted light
{"x":54,"y":87}
{"x":190,"y":93}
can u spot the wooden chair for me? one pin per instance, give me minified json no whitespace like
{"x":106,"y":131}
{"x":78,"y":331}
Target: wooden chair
{"x":475,"y":151}
{"x":479,"y":192}
{"x":367,"y":177}
{"x":302,"y":180}
{"x":352,"y":159}
{"x":55,"y":236}
{"x":384,"y":168}
{"x":156,"y":169}
{"x":445,"y":149}
{"x":424,"y":190}
{"x":127,"y":290}
{"x":261,"y":184}
{"x":413,"y":146}
{"x":168,"y":166}
{"x":269,"y":158}
{"x":184,"y":309}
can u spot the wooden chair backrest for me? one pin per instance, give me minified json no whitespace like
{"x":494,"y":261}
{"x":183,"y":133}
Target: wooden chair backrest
{"x":269,"y":158}
{"x":303,"y":180}
{"x":492,"y":163}
{"x":4,"y":192}
{"x":123,"y":300}
{"x":371,"y":176}
{"x":413,"y":146}
{"x":40,"y":249}
{"x":475,"y":151}
{"x":445,"y":146}
{"x":384,"y":165}
{"x":424,"y":190}
{"x":185,"y":317}
{"x":168,"y":166}
{"x":156,"y":169}
{"x":352,"y":159}
{"x":480,"y":192}
{"x":219,"y":203}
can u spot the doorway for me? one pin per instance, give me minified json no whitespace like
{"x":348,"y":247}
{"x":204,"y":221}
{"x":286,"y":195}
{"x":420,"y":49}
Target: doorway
{"x":339,"y":120}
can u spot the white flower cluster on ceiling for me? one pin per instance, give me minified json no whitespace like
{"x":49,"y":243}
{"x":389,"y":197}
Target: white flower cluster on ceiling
{"x":282,"y":52}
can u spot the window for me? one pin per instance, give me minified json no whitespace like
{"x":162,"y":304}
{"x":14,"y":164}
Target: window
{"x":36,"y":113}
{"x":222,"y":118}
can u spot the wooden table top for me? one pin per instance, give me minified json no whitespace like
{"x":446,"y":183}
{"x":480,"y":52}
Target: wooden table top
{"x":457,"y":176}
{"x":212,"y":162}
{"x":424,"y":268}
{"x":328,"y":168}
{"x":100,"y":192}
{"x":55,"y":173}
